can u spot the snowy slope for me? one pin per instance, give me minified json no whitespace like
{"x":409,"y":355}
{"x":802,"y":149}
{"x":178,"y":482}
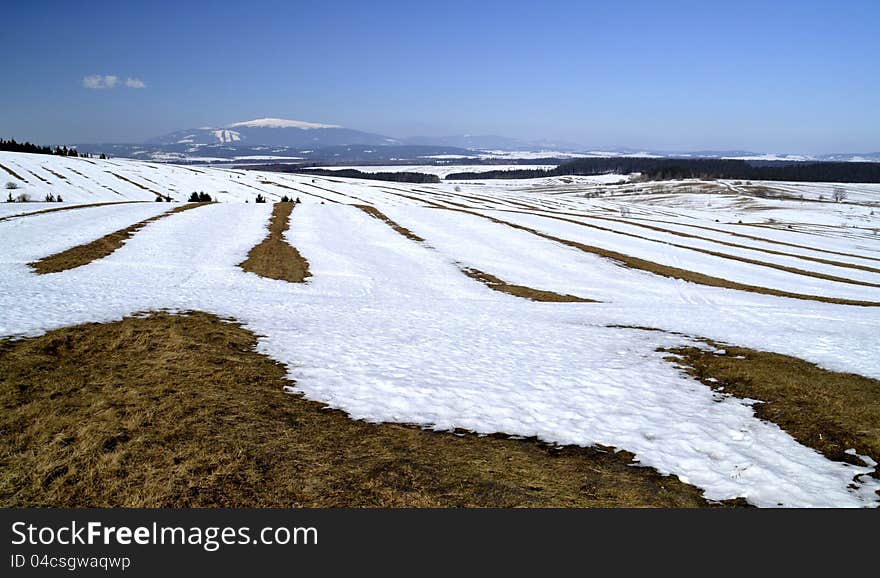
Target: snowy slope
{"x":389,"y":329}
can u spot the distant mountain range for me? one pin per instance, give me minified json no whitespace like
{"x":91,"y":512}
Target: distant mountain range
{"x":282,"y":140}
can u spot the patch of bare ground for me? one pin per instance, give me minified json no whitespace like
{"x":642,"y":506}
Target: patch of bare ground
{"x":140,"y":186}
{"x":487,"y":279}
{"x":288,"y":187}
{"x":58,"y":175}
{"x":672,"y":272}
{"x":180,"y":411}
{"x":828,"y":411}
{"x":65,"y":208}
{"x":274,"y":257}
{"x":759,"y":263}
{"x":376,"y":213}
{"x":635,"y":223}
{"x":13,"y":173}
{"x":497,"y":284}
{"x":99,"y":248}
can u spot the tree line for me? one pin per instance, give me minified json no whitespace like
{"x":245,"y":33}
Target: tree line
{"x":401,"y":177}
{"x":27,"y":147}
{"x":671,"y":168}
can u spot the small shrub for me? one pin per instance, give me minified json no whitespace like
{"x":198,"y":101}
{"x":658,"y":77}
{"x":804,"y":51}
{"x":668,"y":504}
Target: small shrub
{"x":158,"y":199}
{"x":58,"y":199}
{"x":50,"y":198}
{"x":260,"y":198}
{"x":23,"y":198}
{"x":11,"y":185}
{"x":193,"y":198}
{"x":9,"y":198}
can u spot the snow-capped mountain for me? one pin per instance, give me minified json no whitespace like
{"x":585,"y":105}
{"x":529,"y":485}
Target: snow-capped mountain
{"x":273,"y":132}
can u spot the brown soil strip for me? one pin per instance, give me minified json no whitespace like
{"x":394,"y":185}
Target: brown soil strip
{"x":140,"y":186}
{"x":68,"y":208}
{"x":776,"y":242}
{"x":180,"y":411}
{"x":99,"y":248}
{"x":273,"y":183}
{"x":336,"y":192}
{"x":48,"y":182}
{"x":487,"y":279}
{"x":497,"y":284}
{"x":672,"y":272}
{"x":374,"y":212}
{"x":274,"y":257}
{"x":776,"y":266}
{"x":13,"y":173}
{"x":825,"y":410}
{"x":725,"y":243}
{"x":57,"y":175}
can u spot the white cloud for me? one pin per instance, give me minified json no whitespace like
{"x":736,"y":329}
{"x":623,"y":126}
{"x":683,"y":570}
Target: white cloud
{"x":98,"y":82}
{"x":107,"y":81}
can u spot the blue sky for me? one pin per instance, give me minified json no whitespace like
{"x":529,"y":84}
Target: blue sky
{"x":799,"y":76}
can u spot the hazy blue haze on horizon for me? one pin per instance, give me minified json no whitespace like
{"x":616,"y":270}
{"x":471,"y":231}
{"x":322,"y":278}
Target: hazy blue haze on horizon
{"x":787,"y":76}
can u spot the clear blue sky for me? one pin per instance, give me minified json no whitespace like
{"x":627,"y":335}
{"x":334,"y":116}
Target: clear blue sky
{"x":784,"y":76}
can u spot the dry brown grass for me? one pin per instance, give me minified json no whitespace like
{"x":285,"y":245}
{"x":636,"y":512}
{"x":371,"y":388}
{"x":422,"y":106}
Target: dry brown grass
{"x":288,"y":187}
{"x":179,"y":411}
{"x":487,"y":279}
{"x":274,"y":257}
{"x":140,"y":186}
{"x":58,"y":175}
{"x":12,"y":173}
{"x":376,"y":213}
{"x":635,"y":223}
{"x":65,"y":208}
{"x":787,"y":269}
{"x":825,"y":410}
{"x":99,"y":248}
{"x":497,"y":284}
{"x":672,"y":272}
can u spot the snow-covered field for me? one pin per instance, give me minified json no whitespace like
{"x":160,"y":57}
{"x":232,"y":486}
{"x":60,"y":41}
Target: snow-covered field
{"x":388,"y":329}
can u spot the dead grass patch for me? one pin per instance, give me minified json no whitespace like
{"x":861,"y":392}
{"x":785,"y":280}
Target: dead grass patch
{"x":718,"y":254}
{"x":672,"y":272}
{"x":140,"y":186}
{"x":66,"y":208}
{"x":13,"y":173}
{"x":497,"y":284}
{"x":725,"y":243}
{"x":179,"y":411}
{"x":99,"y":248}
{"x":487,"y":279}
{"x":274,"y":257}
{"x":825,"y":410}
{"x":376,"y":213}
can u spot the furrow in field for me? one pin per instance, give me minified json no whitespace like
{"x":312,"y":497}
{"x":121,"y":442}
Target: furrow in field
{"x":99,"y":248}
